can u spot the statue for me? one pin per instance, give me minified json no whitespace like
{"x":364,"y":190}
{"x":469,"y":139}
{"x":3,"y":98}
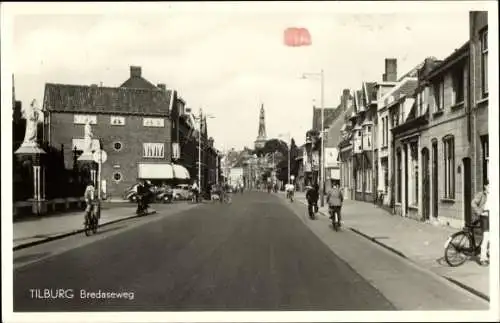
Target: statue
{"x":32,"y":115}
{"x":88,"y":135}
{"x":30,"y":145}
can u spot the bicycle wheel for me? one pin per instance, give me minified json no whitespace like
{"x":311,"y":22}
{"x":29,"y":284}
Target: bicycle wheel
{"x":95,"y":225}
{"x":457,"y":249}
{"x":87,"y":228}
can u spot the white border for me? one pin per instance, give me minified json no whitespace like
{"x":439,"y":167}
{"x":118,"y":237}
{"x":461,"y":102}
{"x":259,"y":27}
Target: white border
{"x":8,"y":10}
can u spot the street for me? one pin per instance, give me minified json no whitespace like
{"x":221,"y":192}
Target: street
{"x":258,"y":253}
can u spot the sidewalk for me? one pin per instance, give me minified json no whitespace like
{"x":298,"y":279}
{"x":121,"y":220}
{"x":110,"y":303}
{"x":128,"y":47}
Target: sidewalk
{"x":419,"y":242}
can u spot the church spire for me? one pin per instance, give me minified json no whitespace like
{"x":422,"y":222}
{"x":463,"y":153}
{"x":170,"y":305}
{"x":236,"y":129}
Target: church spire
{"x":261,"y":137}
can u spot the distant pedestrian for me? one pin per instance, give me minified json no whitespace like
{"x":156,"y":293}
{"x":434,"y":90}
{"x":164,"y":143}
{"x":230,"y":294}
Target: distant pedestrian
{"x":481,"y":213}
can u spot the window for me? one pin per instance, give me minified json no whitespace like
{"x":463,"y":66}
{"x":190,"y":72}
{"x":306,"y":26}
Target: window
{"x":439,"y":95}
{"x":485,"y":156}
{"x":449,"y":167}
{"x":82,"y":119}
{"x":359,"y":180}
{"x":153,"y":150}
{"x":383,"y":132}
{"x":399,"y":173}
{"x":368,"y":174}
{"x":387,"y":130}
{"x":484,"y":62}
{"x":117,"y":146}
{"x":458,"y":85}
{"x":117,"y":176}
{"x":413,"y":173}
{"x":386,"y":178}
{"x":117,"y":121}
{"x":153,"y":122}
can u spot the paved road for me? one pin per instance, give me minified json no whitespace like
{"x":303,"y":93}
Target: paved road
{"x":255,"y":254}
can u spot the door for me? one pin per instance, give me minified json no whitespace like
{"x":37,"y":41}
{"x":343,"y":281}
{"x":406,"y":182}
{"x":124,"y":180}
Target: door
{"x":406,"y":179}
{"x":467,"y":183}
{"x":426,"y":185}
{"x":435,"y":181}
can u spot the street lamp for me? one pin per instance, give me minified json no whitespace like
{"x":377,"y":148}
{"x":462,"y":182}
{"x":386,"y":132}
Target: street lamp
{"x":322,"y":162}
{"x":200,"y":120}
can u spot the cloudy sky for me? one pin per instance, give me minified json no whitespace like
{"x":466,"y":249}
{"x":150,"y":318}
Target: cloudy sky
{"x":229,"y":61}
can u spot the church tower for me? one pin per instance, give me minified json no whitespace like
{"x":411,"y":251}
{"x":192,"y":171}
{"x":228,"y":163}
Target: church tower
{"x":261,"y":137}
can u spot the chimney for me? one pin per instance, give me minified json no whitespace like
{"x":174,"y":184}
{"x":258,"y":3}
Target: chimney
{"x":135,"y":71}
{"x":161,"y":86}
{"x":391,"y":69}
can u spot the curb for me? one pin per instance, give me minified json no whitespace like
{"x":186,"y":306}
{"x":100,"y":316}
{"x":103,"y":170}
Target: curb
{"x":402,"y":255}
{"x":67,"y":234}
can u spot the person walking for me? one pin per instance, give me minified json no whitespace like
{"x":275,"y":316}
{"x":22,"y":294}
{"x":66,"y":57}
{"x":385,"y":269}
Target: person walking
{"x":480,"y":211}
{"x":312,"y":196}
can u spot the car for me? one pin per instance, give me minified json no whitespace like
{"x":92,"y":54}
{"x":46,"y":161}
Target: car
{"x":181,"y":192}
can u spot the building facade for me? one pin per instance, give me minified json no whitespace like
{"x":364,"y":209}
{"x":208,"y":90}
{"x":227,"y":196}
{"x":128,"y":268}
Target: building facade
{"x":193,"y":147}
{"x":131,"y":123}
{"x":478,"y":99}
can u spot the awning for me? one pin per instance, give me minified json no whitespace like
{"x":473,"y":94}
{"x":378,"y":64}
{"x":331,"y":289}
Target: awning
{"x":162,"y":171}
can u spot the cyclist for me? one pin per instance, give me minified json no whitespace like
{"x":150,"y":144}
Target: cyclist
{"x":195,"y":191}
{"x":479,"y":209}
{"x":90,"y":201}
{"x":335,"y":199}
{"x":289,"y":188}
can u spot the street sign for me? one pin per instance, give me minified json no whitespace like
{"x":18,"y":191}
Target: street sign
{"x":104,"y":156}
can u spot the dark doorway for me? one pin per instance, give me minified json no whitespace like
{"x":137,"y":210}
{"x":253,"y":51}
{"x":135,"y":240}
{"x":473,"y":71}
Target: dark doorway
{"x":426,"y":191}
{"x":435,"y":181}
{"x":467,"y":178}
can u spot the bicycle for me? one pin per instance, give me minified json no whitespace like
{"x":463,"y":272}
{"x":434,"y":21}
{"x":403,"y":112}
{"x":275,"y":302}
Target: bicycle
{"x":91,"y":220}
{"x":334,"y":217}
{"x":472,"y":236}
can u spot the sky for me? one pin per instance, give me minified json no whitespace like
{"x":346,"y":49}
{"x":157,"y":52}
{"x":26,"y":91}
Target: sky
{"x":229,"y":62}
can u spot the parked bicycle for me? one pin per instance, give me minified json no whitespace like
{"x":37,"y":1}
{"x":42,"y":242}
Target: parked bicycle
{"x":464,"y":245}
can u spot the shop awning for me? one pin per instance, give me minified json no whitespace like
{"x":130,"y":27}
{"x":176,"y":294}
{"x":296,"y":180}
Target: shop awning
{"x":162,"y":171}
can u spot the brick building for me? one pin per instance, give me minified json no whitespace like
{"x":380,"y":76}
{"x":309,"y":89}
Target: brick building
{"x":187,"y":135}
{"x":132,"y":123}
{"x":478,"y":99}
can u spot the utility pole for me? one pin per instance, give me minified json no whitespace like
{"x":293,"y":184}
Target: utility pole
{"x":199,"y":149}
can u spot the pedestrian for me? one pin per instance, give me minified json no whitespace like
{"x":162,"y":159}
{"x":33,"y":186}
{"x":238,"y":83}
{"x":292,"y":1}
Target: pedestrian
{"x":90,"y":201}
{"x":312,"y":200}
{"x":481,"y":213}
{"x":335,"y":199}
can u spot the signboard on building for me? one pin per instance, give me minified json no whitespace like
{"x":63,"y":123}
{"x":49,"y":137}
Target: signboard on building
{"x":331,"y":156}
{"x":335,"y":173}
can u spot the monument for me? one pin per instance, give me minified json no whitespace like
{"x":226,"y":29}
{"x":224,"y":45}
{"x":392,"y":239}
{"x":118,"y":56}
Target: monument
{"x":261,"y":137}
{"x":30,"y":150}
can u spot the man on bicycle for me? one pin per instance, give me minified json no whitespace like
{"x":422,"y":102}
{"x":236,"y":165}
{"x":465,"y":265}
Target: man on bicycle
{"x":90,"y":201}
{"x":335,"y":199}
{"x":481,"y":213}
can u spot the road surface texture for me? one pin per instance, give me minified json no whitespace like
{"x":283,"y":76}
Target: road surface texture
{"x":258,"y":253}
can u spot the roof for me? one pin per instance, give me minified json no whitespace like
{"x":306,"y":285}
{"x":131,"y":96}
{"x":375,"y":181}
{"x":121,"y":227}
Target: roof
{"x":458,"y":54}
{"x":407,"y":87}
{"x":138,"y":82}
{"x":94,"y":99}
{"x":371,"y":91}
{"x":414,"y":71}
{"x":329,"y":117}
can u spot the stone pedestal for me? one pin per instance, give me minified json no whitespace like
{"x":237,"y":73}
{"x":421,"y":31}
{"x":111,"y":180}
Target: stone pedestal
{"x":39,"y":207}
